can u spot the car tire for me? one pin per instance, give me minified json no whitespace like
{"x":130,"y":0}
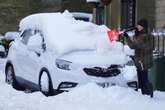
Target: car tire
{"x":45,"y":83}
{"x":11,"y":79}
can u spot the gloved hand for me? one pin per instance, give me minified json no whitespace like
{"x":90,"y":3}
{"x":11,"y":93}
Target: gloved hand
{"x":125,"y":35}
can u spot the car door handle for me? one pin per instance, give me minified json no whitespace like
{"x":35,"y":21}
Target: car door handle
{"x":37,"y":53}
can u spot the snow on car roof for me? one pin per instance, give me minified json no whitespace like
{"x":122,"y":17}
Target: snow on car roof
{"x":64,"y":32}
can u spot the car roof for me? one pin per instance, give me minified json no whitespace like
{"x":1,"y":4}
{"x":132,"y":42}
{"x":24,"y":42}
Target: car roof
{"x":63,"y":31}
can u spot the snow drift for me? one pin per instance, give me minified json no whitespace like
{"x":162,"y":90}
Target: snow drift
{"x":87,"y":97}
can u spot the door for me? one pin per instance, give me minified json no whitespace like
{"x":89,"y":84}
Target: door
{"x":20,"y":54}
{"x":28,"y":52}
{"x":128,"y":13}
{"x":34,"y":56}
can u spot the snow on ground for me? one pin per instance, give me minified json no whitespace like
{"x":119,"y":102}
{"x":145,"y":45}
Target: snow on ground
{"x":87,"y":97}
{"x":2,"y":63}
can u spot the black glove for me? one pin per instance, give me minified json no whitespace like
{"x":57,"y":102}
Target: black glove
{"x":125,"y":35}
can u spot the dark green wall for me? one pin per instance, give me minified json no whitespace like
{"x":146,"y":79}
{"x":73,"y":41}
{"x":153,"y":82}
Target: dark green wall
{"x":12,"y":11}
{"x":76,"y":5}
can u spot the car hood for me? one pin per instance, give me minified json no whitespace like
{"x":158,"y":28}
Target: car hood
{"x":93,"y":58}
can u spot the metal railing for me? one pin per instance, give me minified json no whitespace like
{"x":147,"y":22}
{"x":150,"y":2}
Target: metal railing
{"x":158,"y":42}
{"x":158,"y":39}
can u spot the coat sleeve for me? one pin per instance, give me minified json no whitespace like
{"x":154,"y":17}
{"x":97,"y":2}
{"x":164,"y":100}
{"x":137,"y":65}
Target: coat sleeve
{"x":137,"y":42}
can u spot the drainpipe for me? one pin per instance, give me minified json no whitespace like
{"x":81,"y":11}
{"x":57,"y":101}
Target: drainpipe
{"x":105,"y":15}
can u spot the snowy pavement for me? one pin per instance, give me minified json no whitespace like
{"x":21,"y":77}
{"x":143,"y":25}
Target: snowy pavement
{"x":88,"y":97}
{"x":2,"y":63}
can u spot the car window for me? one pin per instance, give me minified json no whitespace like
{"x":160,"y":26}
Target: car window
{"x":81,"y":18}
{"x":26,"y":35}
{"x":35,"y":40}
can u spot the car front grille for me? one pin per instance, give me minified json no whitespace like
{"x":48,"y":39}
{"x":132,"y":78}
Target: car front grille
{"x":111,"y":71}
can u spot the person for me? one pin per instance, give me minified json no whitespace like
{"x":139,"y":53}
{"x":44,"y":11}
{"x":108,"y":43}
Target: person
{"x":141,"y":42}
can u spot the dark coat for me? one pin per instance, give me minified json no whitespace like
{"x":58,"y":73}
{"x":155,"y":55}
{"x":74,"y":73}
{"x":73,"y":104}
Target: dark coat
{"x":142,"y":43}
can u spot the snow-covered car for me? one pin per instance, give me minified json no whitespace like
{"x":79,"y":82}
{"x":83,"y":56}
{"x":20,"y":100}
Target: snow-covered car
{"x":57,"y":52}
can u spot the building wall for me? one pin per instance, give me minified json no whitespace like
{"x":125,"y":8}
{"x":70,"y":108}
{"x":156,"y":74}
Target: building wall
{"x":153,"y":10}
{"x":155,"y":14}
{"x":114,"y":14}
{"x":160,"y":13}
{"x":146,"y":9}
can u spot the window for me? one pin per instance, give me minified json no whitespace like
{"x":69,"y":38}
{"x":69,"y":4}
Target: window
{"x":100,"y":15}
{"x":26,"y":35}
{"x":128,"y":10}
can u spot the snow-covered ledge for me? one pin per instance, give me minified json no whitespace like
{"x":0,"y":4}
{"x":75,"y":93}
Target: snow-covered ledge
{"x":96,"y":1}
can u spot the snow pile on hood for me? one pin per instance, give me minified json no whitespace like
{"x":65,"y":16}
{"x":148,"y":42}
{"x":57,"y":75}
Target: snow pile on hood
{"x":65,"y":34}
{"x":2,"y":63}
{"x":115,"y":53}
{"x":93,"y":0}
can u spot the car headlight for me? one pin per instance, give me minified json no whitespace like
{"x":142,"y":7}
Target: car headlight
{"x":63,"y":64}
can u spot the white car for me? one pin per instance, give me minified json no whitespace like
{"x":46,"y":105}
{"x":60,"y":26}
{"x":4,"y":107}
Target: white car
{"x":57,"y":52}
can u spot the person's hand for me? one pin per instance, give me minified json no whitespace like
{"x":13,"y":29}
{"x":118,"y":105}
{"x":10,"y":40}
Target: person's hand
{"x":125,"y":35}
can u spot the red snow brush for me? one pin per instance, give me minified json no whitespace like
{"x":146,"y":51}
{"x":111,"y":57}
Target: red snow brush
{"x":113,"y":35}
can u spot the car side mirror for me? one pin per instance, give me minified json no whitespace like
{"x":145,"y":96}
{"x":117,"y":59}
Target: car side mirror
{"x":35,"y":43}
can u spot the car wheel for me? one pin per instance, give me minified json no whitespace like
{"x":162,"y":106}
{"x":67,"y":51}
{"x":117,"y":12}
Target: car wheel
{"x":10,"y":77}
{"x":45,"y":83}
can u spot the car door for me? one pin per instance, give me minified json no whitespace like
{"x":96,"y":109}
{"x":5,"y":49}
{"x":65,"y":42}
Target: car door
{"x":34,"y":56}
{"x":21,"y":55}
